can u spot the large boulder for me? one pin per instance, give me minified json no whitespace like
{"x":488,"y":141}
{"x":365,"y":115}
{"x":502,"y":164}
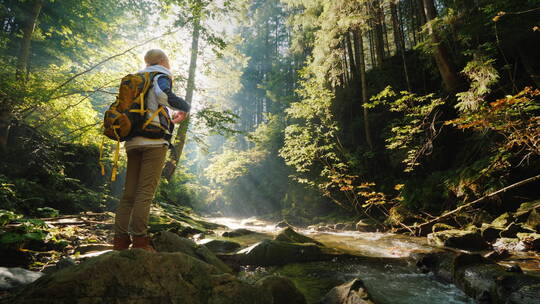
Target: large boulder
{"x":353,"y":292}
{"x":282,"y":289}
{"x":288,"y":235}
{"x":529,"y":294}
{"x":533,"y":221}
{"x":237,"y":233}
{"x":489,"y":232}
{"x":270,"y":252}
{"x":138,"y":276}
{"x":169,"y":242}
{"x":480,"y":278}
{"x":220,"y":246}
{"x":462,"y":239}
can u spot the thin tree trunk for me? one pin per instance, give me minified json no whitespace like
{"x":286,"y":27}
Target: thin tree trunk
{"x":353,"y":63}
{"x":361,"y":63}
{"x":379,"y":38}
{"x":181,"y":134}
{"x":447,"y":70}
{"x":400,"y":43}
{"x":28,"y":30}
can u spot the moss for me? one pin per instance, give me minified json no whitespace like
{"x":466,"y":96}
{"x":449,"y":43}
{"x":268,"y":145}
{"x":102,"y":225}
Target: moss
{"x":314,"y":280}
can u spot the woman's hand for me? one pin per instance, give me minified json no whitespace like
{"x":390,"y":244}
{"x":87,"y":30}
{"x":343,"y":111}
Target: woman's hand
{"x":178,"y":117}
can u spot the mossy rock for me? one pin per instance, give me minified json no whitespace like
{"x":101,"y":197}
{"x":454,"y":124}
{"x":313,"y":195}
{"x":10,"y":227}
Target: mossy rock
{"x":530,"y":240}
{"x":462,"y":239}
{"x":288,"y":235}
{"x":350,"y":292}
{"x":400,"y":214}
{"x":533,"y":221}
{"x":441,"y":227}
{"x":489,"y":232}
{"x":220,"y":246}
{"x":270,"y":252}
{"x":238,"y":233}
{"x":512,"y":230}
{"x":282,"y":289}
{"x":503,"y":220}
{"x":138,"y":276}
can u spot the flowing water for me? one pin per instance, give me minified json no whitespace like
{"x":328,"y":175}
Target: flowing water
{"x":388,"y":275}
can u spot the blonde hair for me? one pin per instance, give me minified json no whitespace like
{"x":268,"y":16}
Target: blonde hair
{"x":154,"y":56}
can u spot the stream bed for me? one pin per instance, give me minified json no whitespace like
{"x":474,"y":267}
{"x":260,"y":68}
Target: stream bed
{"x":389,"y":275}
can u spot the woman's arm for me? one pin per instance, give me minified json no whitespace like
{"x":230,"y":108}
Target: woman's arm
{"x":166,"y":97}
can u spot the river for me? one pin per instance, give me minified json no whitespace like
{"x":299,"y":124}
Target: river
{"x":391,"y":279}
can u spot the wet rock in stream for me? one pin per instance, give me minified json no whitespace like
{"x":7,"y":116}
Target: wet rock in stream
{"x":348,"y":293}
{"x":480,"y":278}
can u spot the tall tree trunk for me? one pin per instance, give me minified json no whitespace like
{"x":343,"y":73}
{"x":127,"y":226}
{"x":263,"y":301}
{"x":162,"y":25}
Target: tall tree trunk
{"x":30,"y":22}
{"x":353,"y":63}
{"x":379,"y":37}
{"x":361,"y":63}
{"x":447,"y":70}
{"x":399,"y":41}
{"x":181,"y":134}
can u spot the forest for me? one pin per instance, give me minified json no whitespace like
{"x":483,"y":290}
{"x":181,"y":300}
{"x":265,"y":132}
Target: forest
{"x":372,"y":134}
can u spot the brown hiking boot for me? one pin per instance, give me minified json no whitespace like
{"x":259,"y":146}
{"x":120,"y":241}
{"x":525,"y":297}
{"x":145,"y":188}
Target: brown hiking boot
{"x":142,"y":242}
{"x":121,"y":242}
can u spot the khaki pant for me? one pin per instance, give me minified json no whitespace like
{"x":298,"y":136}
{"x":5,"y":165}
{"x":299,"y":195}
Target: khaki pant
{"x":143,"y":172}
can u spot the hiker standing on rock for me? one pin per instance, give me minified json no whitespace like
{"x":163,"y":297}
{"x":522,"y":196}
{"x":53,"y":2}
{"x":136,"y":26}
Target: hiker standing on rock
{"x":146,"y":156}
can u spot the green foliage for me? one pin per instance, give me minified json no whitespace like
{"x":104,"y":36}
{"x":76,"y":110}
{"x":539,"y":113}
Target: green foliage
{"x":413,"y":133}
{"x":482,"y":74}
{"x":7,"y":216}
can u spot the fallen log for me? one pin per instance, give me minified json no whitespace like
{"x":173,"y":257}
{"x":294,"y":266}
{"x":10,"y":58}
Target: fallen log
{"x":426,"y":226}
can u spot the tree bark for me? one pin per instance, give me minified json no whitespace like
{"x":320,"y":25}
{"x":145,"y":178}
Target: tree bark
{"x":30,"y":22}
{"x":378,"y":30}
{"x":181,"y":134}
{"x":447,"y":70}
{"x":399,"y":41}
{"x":361,"y":63}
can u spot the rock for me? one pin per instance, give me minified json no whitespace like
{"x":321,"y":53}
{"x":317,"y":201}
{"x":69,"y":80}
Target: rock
{"x":510,"y":244}
{"x":400,"y":214}
{"x":14,"y":277}
{"x":503,"y":220}
{"x":481,"y":279}
{"x":489,"y":232}
{"x":237,"y":233}
{"x":61,"y":264}
{"x":353,"y":292}
{"x":462,"y":239}
{"x":514,"y":268}
{"x":497,"y":255}
{"x":220,"y":246}
{"x":477,"y":275}
{"x":531,"y":241}
{"x":270,"y":252}
{"x":282,"y":289}
{"x":526,"y":295}
{"x":512,"y":230}
{"x":282,"y":224}
{"x":533,"y":221}
{"x":169,"y":242}
{"x":138,"y":276}
{"x":365,"y":225}
{"x":86,"y":248}
{"x":441,"y":227}
{"x":288,"y":235}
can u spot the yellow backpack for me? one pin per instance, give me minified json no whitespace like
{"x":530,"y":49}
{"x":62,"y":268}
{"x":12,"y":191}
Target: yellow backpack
{"x":126,"y":114}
